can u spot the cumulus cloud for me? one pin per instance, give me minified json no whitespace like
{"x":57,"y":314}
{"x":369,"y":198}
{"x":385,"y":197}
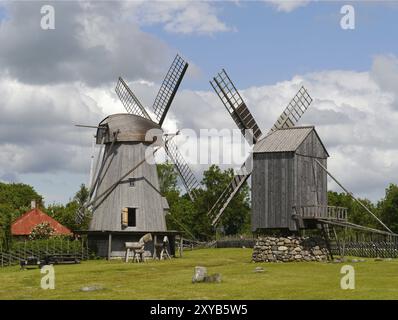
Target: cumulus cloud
{"x":83,"y":47}
{"x":287,"y":5}
{"x":95,"y":41}
{"x":184,"y":17}
{"x":354,"y":113}
{"x":37,"y":132}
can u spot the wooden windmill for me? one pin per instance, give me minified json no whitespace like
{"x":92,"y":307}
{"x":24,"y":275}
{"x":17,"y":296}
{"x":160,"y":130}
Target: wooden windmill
{"x":265,"y":187}
{"x":289,"y":171}
{"x":125,"y":193}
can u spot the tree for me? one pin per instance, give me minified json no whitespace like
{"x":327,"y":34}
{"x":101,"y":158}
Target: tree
{"x":356,"y":213}
{"x":66,"y":214}
{"x":167,"y":177}
{"x":180,"y":215}
{"x":236,"y":217}
{"x":15,"y":199}
{"x":81,"y":196}
{"x":388,"y":208}
{"x":6,"y":218}
{"x":19,"y":196}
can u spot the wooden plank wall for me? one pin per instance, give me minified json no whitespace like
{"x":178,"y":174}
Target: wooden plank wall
{"x":144,"y":196}
{"x":281,"y":180}
{"x":272,"y":190}
{"x":311,"y":190}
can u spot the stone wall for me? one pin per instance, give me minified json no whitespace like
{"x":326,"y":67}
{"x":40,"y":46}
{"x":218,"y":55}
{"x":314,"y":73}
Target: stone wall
{"x":289,"y":249}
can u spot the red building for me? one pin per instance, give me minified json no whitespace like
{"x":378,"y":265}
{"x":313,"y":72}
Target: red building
{"x":24,"y":225}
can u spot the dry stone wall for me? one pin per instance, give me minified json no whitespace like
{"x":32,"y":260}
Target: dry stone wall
{"x":289,"y":249}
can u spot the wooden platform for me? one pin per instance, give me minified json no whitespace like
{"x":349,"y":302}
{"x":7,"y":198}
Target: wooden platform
{"x":111,"y":244}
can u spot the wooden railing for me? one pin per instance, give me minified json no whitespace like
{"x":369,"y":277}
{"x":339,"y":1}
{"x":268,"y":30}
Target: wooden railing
{"x":322,"y":212}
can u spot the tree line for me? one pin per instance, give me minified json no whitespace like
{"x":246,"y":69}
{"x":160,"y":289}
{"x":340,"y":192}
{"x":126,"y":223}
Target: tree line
{"x":184,"y":214}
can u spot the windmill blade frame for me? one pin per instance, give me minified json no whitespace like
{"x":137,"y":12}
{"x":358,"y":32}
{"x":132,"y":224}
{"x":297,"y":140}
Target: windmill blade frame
{"x":236,"y":107}
{"x":129,"y":100}
{"x":228,"y":194}
{"x":294,"y":110}
{"x":169,"y":88}
{"x":187,"y":176}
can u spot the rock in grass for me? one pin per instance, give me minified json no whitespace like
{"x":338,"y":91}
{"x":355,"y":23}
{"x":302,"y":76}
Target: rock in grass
{"x":213,"y":278}
{"x":91,"y":288}
{"x":258,"y":269}
{"x":200,"y":274}
{"x":378,"y":259}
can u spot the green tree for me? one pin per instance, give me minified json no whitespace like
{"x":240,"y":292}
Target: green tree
{"x":167,"y":177}
{"x":356,"y":213}
{"x":6,"y":218}
{"x":388,"y":208}
{"x":236,"y":217}
{"x":67,"y":214}
{"x":180,"y":215}
{"x":19,"y":196}
{"x":192,"y":216}
{"x":15,"y":199}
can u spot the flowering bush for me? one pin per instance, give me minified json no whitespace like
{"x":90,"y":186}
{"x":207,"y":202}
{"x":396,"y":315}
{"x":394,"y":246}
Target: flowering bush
{"x":42,"y":231}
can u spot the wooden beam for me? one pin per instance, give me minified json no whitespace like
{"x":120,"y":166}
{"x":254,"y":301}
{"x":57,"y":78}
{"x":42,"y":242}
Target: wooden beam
{"x":109,"y":246}
{"x":353,"y":197}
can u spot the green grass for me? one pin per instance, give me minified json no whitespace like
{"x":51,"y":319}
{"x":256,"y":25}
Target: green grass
{"x":172,"y":279}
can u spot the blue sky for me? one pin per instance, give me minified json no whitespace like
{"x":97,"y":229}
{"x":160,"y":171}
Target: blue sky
{"x":269,"y":46}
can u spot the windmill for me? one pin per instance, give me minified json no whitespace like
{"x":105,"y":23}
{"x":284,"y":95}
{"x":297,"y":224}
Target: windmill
{"x":125,"y":195}
{"x":245,"y":121}
{"x":288,"y":168}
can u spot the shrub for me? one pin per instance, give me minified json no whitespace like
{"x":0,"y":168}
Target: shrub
{"x":42,"y":231}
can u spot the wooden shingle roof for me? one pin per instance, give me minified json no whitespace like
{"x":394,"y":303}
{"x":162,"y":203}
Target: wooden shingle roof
{"x":284,"y":140}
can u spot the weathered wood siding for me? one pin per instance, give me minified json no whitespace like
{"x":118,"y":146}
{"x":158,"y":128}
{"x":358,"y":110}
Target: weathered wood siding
{"x":144,"y":196}
{"x":283,"y":180}
{"x":272,"y":190}
{"x":311,"y":179}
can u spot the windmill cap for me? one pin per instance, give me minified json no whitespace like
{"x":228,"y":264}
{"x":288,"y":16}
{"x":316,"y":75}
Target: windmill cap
{"x":125,"y":127}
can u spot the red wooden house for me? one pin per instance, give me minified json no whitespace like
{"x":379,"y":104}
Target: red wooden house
{"x":24,"y":225}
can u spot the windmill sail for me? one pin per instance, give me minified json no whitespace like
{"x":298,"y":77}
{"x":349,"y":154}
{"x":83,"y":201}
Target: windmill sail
{"x":294,"y":110}
{"x":187,"y":176}
{"x":235,"y":105}
{"x":231,"y":98}
{"x":222,"y":202}
{"x":169,"y":88}
{"x":129,"y":100}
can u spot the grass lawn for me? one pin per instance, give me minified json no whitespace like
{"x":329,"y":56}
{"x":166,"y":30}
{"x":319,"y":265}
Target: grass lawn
{"x":172,"y":279}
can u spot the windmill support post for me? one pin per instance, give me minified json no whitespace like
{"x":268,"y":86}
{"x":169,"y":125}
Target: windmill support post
{"x":109,"y":246}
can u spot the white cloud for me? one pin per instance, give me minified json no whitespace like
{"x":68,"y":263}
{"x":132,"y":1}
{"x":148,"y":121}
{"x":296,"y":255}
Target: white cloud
{"x":93,"y":42}
{"x":184,"y":17}
{"x":355,"y":114}
{"x":287,"y":5}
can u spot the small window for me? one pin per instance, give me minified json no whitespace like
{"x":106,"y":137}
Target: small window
{"x":131,"y":182}
{"x":131,"y":220}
